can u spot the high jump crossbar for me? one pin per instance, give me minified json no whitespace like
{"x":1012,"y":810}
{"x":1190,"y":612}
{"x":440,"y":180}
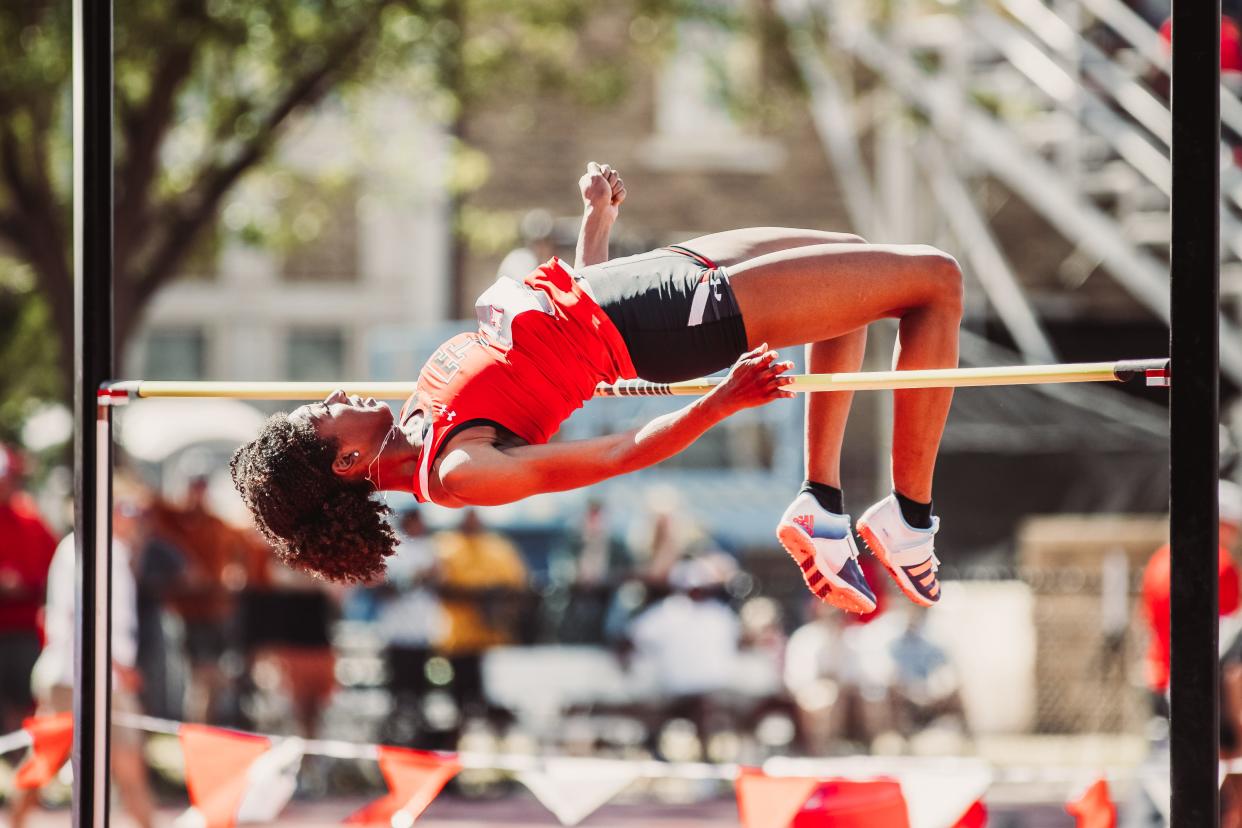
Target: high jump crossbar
{"x":1155,"y":371}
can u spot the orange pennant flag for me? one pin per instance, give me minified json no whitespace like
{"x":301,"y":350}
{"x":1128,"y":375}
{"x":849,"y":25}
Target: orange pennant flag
{"x":216,"y":762}
{"x":414,"y":777}
{"x":849,"y":803}
{"x":1094,"y":809}
{"x":771,"y":801}
{"x":51,"y":740}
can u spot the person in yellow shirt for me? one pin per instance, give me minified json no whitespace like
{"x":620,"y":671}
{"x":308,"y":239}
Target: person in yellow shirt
{"x":479,"y":573}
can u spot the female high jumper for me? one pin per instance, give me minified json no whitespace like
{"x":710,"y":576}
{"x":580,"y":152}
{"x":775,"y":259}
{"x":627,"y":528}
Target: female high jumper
{"x":477,"y":429}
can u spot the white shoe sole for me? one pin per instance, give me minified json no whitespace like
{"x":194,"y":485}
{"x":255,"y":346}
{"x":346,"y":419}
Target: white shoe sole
{"x":898,"y":574}
{"x":832,"y":589}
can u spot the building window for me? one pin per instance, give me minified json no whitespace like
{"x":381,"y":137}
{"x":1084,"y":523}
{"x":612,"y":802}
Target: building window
{"x":315,"y":355}
{"x":691,"y":103}
{"x":176,"y":354}
{"x":323,"y":227}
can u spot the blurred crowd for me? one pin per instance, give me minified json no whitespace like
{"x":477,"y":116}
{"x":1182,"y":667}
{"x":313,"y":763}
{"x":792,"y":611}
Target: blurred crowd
{"x":209,"y":628}
{"x":637,"y":634}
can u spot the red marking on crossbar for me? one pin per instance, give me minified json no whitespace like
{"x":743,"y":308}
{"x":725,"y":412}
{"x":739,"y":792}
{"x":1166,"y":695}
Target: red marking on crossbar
{"x":1158,"y":377}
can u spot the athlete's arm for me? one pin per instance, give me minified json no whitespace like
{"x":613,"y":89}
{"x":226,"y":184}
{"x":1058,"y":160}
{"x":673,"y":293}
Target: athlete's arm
{"x":602,"y":193}
{"x":477,"y":472}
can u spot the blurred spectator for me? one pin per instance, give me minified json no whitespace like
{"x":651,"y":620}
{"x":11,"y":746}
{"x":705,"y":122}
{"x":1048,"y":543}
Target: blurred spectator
{"x":287,"y":637}
{"x":1153,"y":11}
{"x":600,"y":557}
{"x":1231,"y":730}
{"x":410,"y":622}
{"x":879,"y":579}
{"x":762,"y":630}
{"x":536,"y":230}
{"x":212,"y":550}
{"x":159,"y":569}
{"x":687,"y":644}
{"x":927,"y":685}
{"x":1230,"y":47}
{"x":812,"y":675}
{"x":1155,"y":591}
{"x":666,"y":535}
{"x":599,"y":563}
{"x":53,"y":677}
{"x":477,"y":568}
{"x":26,"y":548}
{"x":689,"y":641}
{"x":843,"y":677}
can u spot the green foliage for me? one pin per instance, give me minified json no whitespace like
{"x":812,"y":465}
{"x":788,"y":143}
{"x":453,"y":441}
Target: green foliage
{"x":205,"y":88}
{"x":29,"y":370}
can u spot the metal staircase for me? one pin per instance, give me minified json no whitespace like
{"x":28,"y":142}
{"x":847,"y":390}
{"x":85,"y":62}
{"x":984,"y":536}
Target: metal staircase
{"x":1057,"y":100}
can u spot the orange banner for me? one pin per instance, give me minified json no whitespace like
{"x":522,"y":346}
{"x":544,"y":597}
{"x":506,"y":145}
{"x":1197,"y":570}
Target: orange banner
{"x":771,"y":801}
{"x":414,"y":777}
{"x":216,"y":765}
{"x":1095,"y":808}
{"x":51,"y":740}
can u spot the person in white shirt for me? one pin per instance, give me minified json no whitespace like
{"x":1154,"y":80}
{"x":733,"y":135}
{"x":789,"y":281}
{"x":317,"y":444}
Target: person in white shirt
{"x":687,"y":644}
{"x":53,"y":677}
{"x":688,"y":641}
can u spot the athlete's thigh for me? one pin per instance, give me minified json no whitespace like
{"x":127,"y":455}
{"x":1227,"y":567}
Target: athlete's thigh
{"x":819,"y":292}
{"x":735,"y":246}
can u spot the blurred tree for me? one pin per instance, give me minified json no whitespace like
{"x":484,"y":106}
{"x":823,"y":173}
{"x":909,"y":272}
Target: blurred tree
{"x":204,"y":89}
{"x":28,"y":367}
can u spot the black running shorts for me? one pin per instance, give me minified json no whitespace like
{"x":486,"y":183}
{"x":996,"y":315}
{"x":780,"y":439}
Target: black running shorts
{"x":674,"y":309}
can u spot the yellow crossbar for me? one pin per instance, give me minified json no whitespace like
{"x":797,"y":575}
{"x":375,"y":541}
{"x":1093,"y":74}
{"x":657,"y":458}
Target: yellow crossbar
{"x":862,"y":381}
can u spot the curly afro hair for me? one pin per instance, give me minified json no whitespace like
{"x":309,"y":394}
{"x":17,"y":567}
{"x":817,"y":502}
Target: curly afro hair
{"x":315,"y":520}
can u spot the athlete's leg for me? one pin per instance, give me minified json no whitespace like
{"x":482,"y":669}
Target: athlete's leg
{"x":735,"y":246}
{"x":840,"y":288}
{"x":826,"y":414}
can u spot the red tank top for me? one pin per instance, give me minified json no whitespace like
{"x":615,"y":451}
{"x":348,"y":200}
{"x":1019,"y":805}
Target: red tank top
{"x":542,"y":346}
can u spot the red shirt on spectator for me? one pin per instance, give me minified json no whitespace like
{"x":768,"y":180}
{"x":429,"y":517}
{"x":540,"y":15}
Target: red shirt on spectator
{"x":1230,"y":43}
{"x":26,"y":548}
{"x":1156,"y":609}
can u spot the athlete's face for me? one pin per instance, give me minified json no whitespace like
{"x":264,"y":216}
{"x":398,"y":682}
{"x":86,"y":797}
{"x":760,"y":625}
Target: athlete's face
{"x":357,"y":425}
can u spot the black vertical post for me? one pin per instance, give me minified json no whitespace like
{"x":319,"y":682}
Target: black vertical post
{"x":92,"y":268}
{"x":1194,"y":412}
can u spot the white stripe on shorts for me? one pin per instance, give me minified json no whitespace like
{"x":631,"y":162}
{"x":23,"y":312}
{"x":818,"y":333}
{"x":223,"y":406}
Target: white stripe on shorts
{"x":698,"y":302}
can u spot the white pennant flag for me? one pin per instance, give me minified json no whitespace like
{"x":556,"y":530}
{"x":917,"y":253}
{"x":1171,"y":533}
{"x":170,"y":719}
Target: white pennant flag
{"x":573,"y":789}
{"x":939,"y":797}
{"x":272,"y":780}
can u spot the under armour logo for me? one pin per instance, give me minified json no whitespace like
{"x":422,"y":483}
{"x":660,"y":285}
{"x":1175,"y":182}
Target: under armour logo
{"x":443,"y":411}
{"x":807,"y":522}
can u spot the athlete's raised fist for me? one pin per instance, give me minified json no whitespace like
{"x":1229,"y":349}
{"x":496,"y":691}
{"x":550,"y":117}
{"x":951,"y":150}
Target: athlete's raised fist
{"x":602,"y":188}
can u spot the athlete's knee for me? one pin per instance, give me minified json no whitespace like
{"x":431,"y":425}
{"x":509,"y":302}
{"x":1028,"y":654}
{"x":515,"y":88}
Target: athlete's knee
{"x":831,"y":237}
{"x":944,"y":275}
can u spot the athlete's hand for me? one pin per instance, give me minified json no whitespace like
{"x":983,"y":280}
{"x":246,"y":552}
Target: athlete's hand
{"x":756,"y":378}
{"x":602,"y":189}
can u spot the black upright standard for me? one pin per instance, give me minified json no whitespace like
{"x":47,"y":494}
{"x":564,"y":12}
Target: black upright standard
{"x":93,"y":365}
{"x":1194,"y":402}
